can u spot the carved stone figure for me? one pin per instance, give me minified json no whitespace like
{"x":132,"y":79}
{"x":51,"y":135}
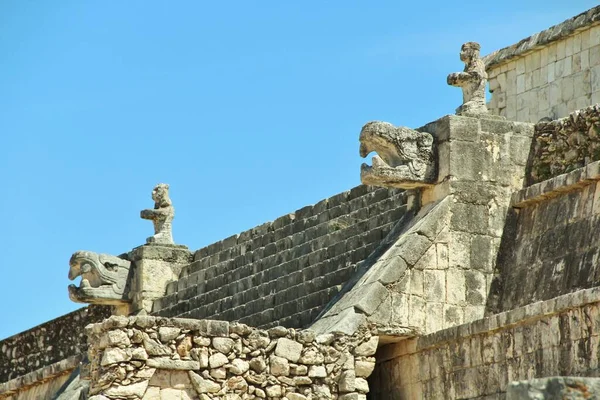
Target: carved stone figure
{"x":103,"y":278}
{"x":472,"y":81}
{"x":161,"y":216}
{"x":405,"y":156}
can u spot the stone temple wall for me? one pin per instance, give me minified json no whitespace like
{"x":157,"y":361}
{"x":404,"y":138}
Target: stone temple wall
{"x":167,"y":358}
{"x":478,"y":360}
{"x":549,"y":74}
{"x":284,"y":272}
{"x":550,"y":243}
{"x":47,"y":344}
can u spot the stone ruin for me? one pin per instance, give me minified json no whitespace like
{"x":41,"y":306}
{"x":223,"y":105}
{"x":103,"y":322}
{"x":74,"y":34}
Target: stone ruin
{"x":464,"y":267}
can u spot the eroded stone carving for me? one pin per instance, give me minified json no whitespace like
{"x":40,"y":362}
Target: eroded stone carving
{"x":103,"y":278}
{"x":161,"y":216}
{"x":472,"y":81}
{"x":404,"y":156}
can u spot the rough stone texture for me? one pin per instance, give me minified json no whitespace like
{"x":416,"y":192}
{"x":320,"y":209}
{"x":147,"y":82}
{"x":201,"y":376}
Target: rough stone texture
{"x":54,"y":381}
{"x":405,"y":156}
{"x":284,"y":272}
{"x":104,"y":278}
{"x":550,"y":245}
{"x":161,"y":215}
{"x":155,"y":267}
{"x":549,"y":74}
{"x":472,"y":81}
{"x":564,"y":145}
{"x":471,"y":361}
{"x":556,"y":387}
{"x":257,"y":364}
{"x":48,"y":343}
{"x":433,"y":270}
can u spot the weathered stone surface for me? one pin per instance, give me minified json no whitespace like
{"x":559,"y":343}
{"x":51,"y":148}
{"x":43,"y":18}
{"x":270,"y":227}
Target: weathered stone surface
{"x":274,"y":391}
{"x":295,"y":396}
{"x":203,"y":385}
{"x":315,"y":371}
{"x":405,"y":156}
{"x":167,"y":363}
{"x":161,"y":215}
{"x":565,"y":144}
{"x":239,"y":367}
{"x":217,"y":360}
{"x":472,"y":80}
{"x":133,"y":391}
{"x":364,"y":369}
{"x":244,"y":371}
{"x":369,"y":348}
{"x":224,"y":345}
{"x":288,"y":349}
{"x":167,"y":334}
{"x":103,"y":278}
{"x":115,"y":355}
{"x":258,"y":364}
{"x":279,"y":366}
{"x":347,"y":382}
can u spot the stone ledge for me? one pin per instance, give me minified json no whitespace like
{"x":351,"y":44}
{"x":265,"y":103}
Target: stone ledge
{"x":543,"y":38}
{"x":40,"y":375}
{"x":556,"y":186}
{"x":504,"y":320}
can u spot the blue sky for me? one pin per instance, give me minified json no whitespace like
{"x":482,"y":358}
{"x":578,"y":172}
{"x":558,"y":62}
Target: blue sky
{"x":249,"y":110}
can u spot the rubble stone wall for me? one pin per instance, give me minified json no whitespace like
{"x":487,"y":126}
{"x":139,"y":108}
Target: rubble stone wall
{"x":550,"y":244}
{"x":565,"y":144}
{"x":471,"y":361}
{"x":48,"y":343}
{"x":147,"y":357}
{"x":284,"y":272}
{"x":549,"y":74}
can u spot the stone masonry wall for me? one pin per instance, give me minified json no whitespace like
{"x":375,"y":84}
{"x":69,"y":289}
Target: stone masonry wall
{"x":549,"y":74}
{"x":550,"y":246}
{"x":284,"y":272}
{"x":150,"y":358}
{"x":48,"y":343}
{"x":477,"y":360}
{"x":566,"y":144}
{"x":436,"y":272}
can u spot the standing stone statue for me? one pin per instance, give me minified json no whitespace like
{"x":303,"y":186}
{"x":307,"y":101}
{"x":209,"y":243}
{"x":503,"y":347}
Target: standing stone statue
{"x":472,"y":81}
{"x":161,"y":216}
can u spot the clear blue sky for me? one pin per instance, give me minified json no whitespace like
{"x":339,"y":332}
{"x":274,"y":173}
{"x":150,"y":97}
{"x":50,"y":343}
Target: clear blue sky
{"x":249,"y":110}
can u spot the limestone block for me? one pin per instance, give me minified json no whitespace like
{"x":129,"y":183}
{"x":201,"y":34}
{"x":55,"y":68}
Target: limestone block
{"x":295,"y":396}
{"x":203,"y":385}
{"x":435,"y":285}
{"x":168,"y":363}
{"x":135,"y":390}
{"x":455,"y":286}
{"x":288,"y":349}
{"x":368,"y":348}
{"x":279,"y":366}
{"x":347,"y":381}
{"x":217,"y":360}
{"x":317,"y":371}
{"x":363,"y":369}
{"x":223,"y":345}
{"x":274,"y":391}
{"x":239,"y":367}
{"x":115,"y":355}
{"x":166,"y":333}
{"x":152,"y":393}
